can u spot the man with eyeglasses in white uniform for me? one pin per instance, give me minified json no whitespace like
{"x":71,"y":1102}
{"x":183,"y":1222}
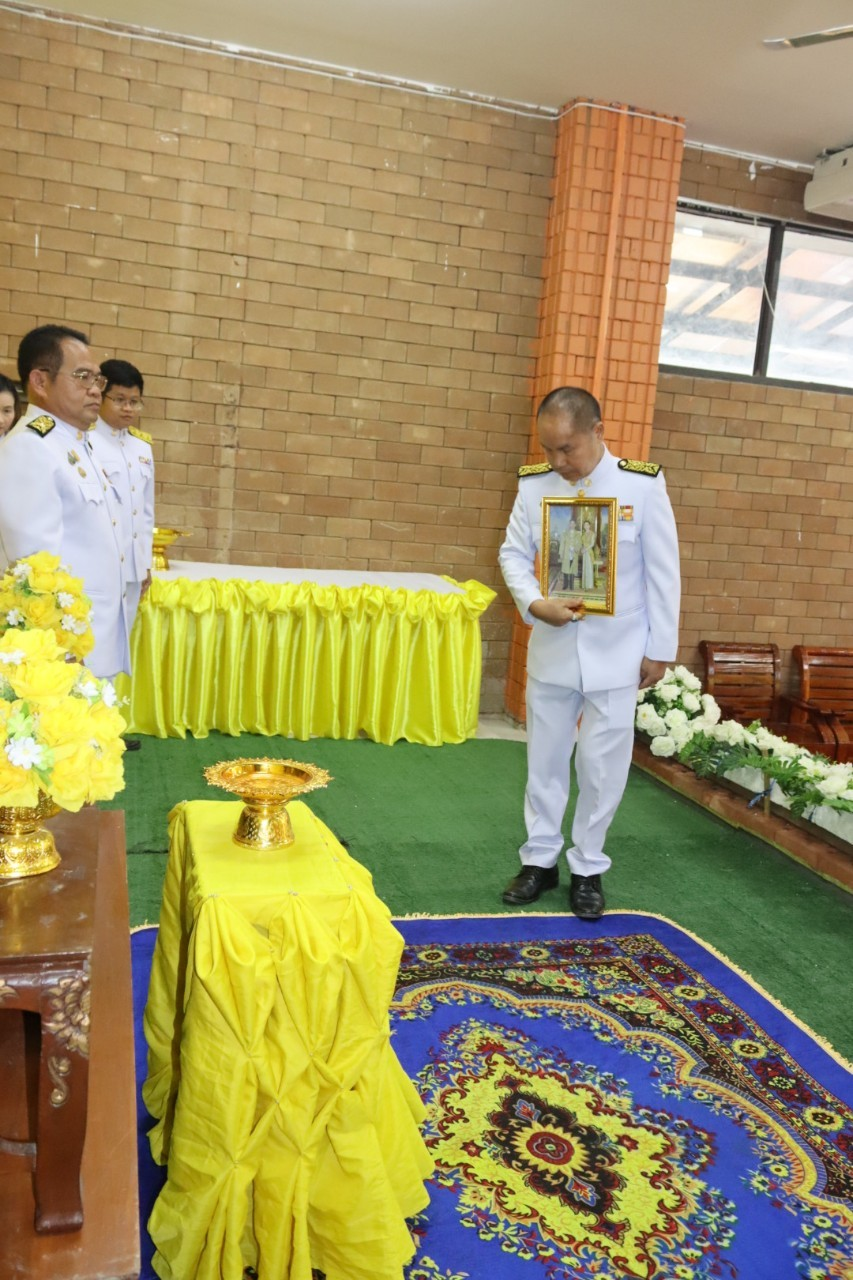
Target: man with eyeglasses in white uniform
{"x":54,"y":493}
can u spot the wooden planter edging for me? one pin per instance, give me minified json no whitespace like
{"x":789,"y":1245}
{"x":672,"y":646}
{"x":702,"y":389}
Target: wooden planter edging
{"x":824,"y":853}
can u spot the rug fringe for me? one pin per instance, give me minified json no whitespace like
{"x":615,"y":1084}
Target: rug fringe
{"x":489,"y":915}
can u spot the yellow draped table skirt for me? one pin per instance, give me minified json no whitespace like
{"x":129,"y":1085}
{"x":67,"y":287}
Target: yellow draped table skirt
{"x":303,"y":660}
{"x":288,"y":1127}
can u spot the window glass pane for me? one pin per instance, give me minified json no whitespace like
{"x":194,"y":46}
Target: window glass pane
{"x":812,"y":337}
{"x":713,"y":297}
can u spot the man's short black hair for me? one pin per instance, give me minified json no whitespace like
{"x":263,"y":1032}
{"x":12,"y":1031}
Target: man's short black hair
{"x":121,"y":373}
{"x":41,"y":348}
{"x":583,"y":408}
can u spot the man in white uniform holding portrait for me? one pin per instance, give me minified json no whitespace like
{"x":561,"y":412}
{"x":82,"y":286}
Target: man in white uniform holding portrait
{"x":586,"y":667}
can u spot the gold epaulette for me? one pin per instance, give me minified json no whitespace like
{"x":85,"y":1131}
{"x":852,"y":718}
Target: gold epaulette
{"x":140,"y":434}
{"x":639,"y":467}
{"x":534,"y":469}
{"x":42,"y":425}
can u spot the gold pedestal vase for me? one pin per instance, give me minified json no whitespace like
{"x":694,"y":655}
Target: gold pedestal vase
{"x":26,"y":847}
{"x":265,"y":787}
{"x":162,"y":540}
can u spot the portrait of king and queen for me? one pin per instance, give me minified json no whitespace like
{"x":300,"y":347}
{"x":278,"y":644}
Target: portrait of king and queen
{"x":579,"y":551}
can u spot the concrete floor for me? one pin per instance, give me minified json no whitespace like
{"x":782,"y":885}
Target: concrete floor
{"x":500,"y":727}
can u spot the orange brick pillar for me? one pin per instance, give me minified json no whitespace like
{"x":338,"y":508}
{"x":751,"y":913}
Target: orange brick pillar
{"x":607,"y":255}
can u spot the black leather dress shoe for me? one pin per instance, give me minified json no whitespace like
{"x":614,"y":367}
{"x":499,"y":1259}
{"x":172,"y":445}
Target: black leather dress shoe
{"x":585,"y":897}
{"x":132,"y":744}
{"x":529,"y":883}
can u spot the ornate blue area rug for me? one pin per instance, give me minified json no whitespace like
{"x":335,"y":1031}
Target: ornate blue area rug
{"x":610,"y":1101}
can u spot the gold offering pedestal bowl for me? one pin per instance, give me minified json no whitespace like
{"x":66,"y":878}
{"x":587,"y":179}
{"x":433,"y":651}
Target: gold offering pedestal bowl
{"x":162,"y":540}
{"x":26,"y":847}
{"x":265,"y":787}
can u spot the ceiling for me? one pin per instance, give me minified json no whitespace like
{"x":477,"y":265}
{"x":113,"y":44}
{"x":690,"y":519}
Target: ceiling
{"x":704,"y":62}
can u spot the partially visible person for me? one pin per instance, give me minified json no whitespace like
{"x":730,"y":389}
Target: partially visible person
{"x":587,"y":549}
{"x":570,"y":542}
{"x":54,"y":495}
{"x":9,"y":407}
{"x":125,"y":454}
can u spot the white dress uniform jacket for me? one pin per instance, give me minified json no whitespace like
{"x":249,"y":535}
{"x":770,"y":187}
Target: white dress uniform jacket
{"x":54,"y":496}
{"x":126,"y":457}
{"x":608,"y":649}
{"x":590,"y":669}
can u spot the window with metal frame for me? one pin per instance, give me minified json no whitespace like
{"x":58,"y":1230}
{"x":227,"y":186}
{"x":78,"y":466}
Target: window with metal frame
{"x":759,"y":299}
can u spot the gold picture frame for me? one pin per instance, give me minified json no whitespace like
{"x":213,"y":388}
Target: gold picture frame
{"x":578,"y":559}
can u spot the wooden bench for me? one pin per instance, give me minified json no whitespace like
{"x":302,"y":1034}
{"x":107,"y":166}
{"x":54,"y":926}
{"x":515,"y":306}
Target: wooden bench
{"x":745,"y":680}
{"x":826,"y":686}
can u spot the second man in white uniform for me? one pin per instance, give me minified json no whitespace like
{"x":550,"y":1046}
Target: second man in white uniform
{"x":124,"y":453}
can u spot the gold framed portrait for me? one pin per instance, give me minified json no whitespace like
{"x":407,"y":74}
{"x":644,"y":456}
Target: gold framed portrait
{"x":578,"y":559}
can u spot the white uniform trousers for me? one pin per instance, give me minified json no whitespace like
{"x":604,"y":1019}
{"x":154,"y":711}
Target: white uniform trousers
{"x":605,"y":742}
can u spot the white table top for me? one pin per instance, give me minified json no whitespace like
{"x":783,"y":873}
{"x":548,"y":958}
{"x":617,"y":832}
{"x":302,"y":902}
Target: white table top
{"x":196,"y":571}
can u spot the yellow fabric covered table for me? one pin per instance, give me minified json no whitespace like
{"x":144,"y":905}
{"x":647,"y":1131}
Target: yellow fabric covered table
{"x":288,"y":1126}
{"x":305,"y":658}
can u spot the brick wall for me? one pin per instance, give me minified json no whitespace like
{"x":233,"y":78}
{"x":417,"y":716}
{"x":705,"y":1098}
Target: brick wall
{"x":331,"y":288}
{"x":761,"y":477}
{"x":748,"y":186}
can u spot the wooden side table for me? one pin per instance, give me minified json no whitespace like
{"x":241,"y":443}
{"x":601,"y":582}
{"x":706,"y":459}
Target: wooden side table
{"x":47,"y":926}
{"x":66,"y":1062}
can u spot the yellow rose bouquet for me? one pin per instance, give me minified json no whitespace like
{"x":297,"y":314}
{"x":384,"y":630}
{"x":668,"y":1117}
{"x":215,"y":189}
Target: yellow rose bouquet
{"x":38,"y":591}
{"x":60,"y":728}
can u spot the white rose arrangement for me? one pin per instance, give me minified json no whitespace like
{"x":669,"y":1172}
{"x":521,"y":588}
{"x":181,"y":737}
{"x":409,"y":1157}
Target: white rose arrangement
{"x":673,"y":710}
{"x":684,"y":723}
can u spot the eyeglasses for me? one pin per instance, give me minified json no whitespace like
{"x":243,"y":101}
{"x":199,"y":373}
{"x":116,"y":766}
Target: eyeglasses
{"x":134,"y":405}
{"x":85,"y":377}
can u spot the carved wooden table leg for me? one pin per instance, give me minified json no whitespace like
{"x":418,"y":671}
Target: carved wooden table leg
{"x":63,"y":1093}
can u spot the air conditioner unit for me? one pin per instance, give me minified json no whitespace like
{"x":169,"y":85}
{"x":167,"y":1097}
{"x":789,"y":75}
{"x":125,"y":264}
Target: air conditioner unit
{"x":830,"y":192}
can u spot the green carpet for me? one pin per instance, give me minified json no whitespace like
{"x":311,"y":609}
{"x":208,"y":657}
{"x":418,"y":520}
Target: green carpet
{"x":439,"y":829}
